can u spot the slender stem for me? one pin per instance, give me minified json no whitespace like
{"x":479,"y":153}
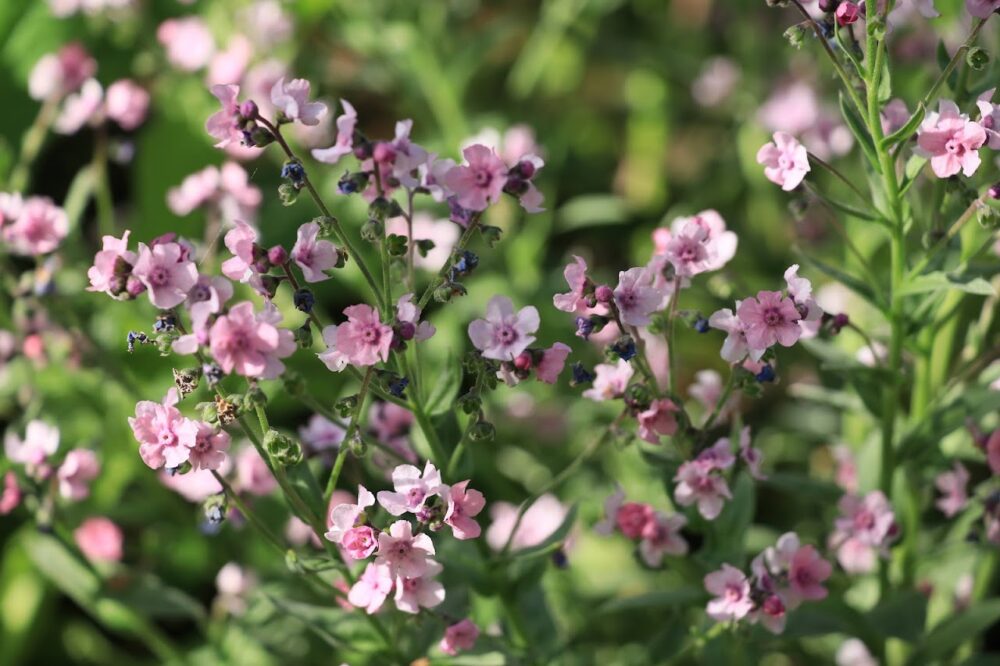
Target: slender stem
{"x":410,"y":241}
{"x":671,"y":356}
{"x":944,"y":240}
{"x":250,"y":515}
{"x":818,"y":31}
{"x":102,"y":186}
{"x":34,"y":138}
{"x":314,"y":405}
{"x":262,"y":419}
{"x":334,"y":222}
{"x":437,"y":282}
{"x":338,"y":465}
{"x":721,"y":402}
{"x":840,"y":176}
{"x":955,"y":59}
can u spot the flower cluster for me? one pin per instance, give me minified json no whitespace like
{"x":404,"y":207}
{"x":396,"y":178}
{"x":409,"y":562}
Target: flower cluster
{"x":35,"y":454}
{"x":658,"y":534}
{"x":863,"y":532}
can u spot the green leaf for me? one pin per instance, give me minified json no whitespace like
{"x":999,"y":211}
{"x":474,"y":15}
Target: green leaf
{"x":906,"y":131}
{"x":591,"y":210}
{"x":948,"y":635}
{"x":442,"y":397}
{"x":678,"y":597}
{"x":901,"y":616}
{"x":801,"y":486}
{"x":857,"y":127}
{"x":913,"y":167}
{"x":885,"y":83}
{"x":937,"y":280}
{"x":729,"y":529}
{"x":149,"y":596}
{"x":970,"y":403}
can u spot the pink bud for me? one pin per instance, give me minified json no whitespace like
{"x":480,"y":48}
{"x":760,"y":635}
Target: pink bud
{"x":523,"y":361}
{"x":847,"y":13}
{"x":383,"y":153}
{"x":277,"y":255}
{"x":604,"y":294}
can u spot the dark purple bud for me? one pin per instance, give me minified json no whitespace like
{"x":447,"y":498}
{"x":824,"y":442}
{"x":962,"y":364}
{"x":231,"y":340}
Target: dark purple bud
{"x":604,"y":294}
{"x":828,"y":5}
{"x":248,"y":110}
{"x":994,"y":191}
{"x":277,"y":255}
{"x":406,"y":330}
{"x":525,"y":169}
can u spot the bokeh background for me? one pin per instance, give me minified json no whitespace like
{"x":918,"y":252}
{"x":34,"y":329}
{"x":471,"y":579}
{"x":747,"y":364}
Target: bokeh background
{"x":645,"y":110}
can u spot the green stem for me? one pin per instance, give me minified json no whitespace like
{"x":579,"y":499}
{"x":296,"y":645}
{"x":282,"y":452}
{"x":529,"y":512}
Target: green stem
{"x":338,"y":465}
{"x":841,"y":177}
{"x":440,"y":279}
{"x":34,"y":138}
{"x":942,"y":242}
{"x":955,"y":59}
{"x":723,"y":399}
{"x":254,"y":519}
{"x":671,"y":356}
{"x":818,"y":31}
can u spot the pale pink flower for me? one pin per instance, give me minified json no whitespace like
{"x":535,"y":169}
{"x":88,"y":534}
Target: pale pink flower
{"x":362,"y":340}
{"x":39,"y":228}
{"x":194,"y":191}
{"x":610,"y":381}
{"x":552,"y":363}
{"x":252,"y":473}
{"x":982,"y":8}
{"x":99,"y":540}
{"x":853,"y":652}
{"x":715,"y":82}
{"x":637,"y":296}
{"x":406,"y":555}
{"x":735,"y":348}
{"x":210,"y":446}
{"x":785,"y":160}
{"x":266,"y":22}
{"x":344,"y":144}
{"x":540,"y":521}
{"x":391,"y":425}
{"x":207,"y":297}
{"x":696,"y":244}
{"x":292,"y":99}
{"x":769,"y":319}
{"x":800,"y":291}
{"x":950,"y":141}
{"x":167,"y":273}
{"x":502,"y":335}
{"x":432,"y":177}
{"x":407,"y":156}
{"x":228,"y":66}
{"x":792,"y":107}
{"x":718,"y":456}
{"x":241,"y":240}
{"x":111,"y":265}
{"x":412,"y":487}
{"x":752,"y":457}
{"x":463,"y":505}
{"x":732,"y":594}
{"x":517,"y":143}
{"x":658,"y":420}
{"x":346,"y":516}
{"x":412,"y":594}
{"x":321,"y":434}
{"x":197,"y":486}
{"x":78,"y":469}
{"x":250,"y":344}
{"x":359,"y":542}
{"x":575,"y":299}
{"x":707,"y":390}
{"x":11,"y":206}
{"x":234,"y":584}
{"x":989,"y":118}
{"x":869,"y":519}
{"x":80,"y":108}
{"x":224,"y":124}
{"x":58,"y":74}
{"x":771,"y":614}
{"x":807,"y":571}
{"x":696,"y":483}
{"x":40,"y":442}
{"x":407,"y":312}
{"x":661,"y":536}
{"x":165,"y":436}
{"x":237,"y":198}
{"x":10,"y":497}
{"x":188,"y":42}
{"x":846,"y":475}
{"x":372,"y":588}
{"x":953,"y":489}
{"x":313,"y":255}
{"x":299,"y":533}
{"x":459,"y":636}
{"x":443,"y":233}
{"x":480,"y":181}
{"x":126,"y":103}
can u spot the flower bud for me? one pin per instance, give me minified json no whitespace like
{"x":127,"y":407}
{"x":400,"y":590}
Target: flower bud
{"x":491,"y":235}
{"x":258,"y":137}
{"x":383,"y":153}
{"x":470,"y":403}
{"x":277,"y":255}
{"x":283,"y":449}
{"x":424,"y":246}
{"x":356,"y":445}
{"x":847,"y":13}
{"x":580,"y":375}
{"x":134,"y":286}
{"x":293,"y":382}
{"x":406,"y":330}
{"x":254,"y":397}
{"x":624,"y":348}
{"x":380,"y":209}
{"x":345,"y":406}
{"x":350,"y":183}
{"x":828,"y":5}
{"x":795,"y":35}
{"x":249,"y":110}
{"x":304,"y":336}
{"x":213,"y":373}
{"x":371,"y":230}
{"x":977,"y":58}
{"x":215,"y":509}
{"x":523,"y":361}
{"x":525,"y":169}
{"x":396,"y":245}
{"x":304,"y":300}
{"x":288,"y":194}
{"x":604,"y":294}
{"x":483,"y":431}
{"x":294,"y":172}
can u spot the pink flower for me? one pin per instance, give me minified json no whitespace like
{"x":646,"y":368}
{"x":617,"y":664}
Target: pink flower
{"x":502,"y":335}
{"x":362,"y":340}
{"x":58,"y":74}
{"x":769,"y":319}
{"x":292,"y":99}
{"x":575,"y":300}
{"x":38,"y":229}
{"x":989,"y":118}
{"x":359,"y":542}
{"x":800,"y":291}
{"x":188,"y":42}
{"x":345,"y":517}
{"x":234,"y":584}
{"x":99,"y":539}
{"x":982,"y":8}
{"x":637,"y":296}
{"x":786,"y":161}
{"x":853,"y":652}
{"x":707,"y":390}
{"x":735,"y":348}
{"x":225,"y":124}
{"x":252,"y":473}
{"x":344,"y":145}
{"x":414,"y":593}
{"x":718,"y":456}
{"x":407,"y":312}
{"x":696,"y":244}
{"x":479,"y":182}
{"x":459,"y":636}
{"x":463,"y":504}
{"x":126,"y":103}
{"x":80,"y":108}
{"x":165,"y":436}
{"x":406,"y":555}
{"x":806,"y":574}
{"x":40,"y":442}
{"x":950,"y":141}
{"x":869,"y":519}
{"x":241,"y":240}
{"x":250,"y":344}
{"x":658,"y":420}
{"x":732,"y":592}
{"x":412,"y":488}
{"x":195,"y":487}
{"x":210,"y":446}
{"x":697,"y":484}
{"x":312,"y":255}
{"x":78,"y":469}
{"x":372,"y":588}
{"x":229,"y":66}
{"x":540,"y":521}
{"x":847,"y":13}
{"x":716,"y":81}
{"x":846,"y":475}
{"x":167,"y":273}
{"x":953,"y":488}
{"x":194,"y":191}
{"x":111,"y":266}
{"x":11,"y":495}
{"x":610,"y":381}
{"x":751,"y":457}
{"x":321,"y":434}
{"x":661,"y":536}
{"x":552,"y":363}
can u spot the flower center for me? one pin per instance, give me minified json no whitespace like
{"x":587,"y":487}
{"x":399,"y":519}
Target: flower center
{"x":773,"y":317}
{"x":159,"y":276}
{"x":734,"y":593}
{"x":482,"y":178}
{"x":506,"y":334}
{"x":415,"y":497}
{"x":953,"y":147}
{"x":371,"y":335}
